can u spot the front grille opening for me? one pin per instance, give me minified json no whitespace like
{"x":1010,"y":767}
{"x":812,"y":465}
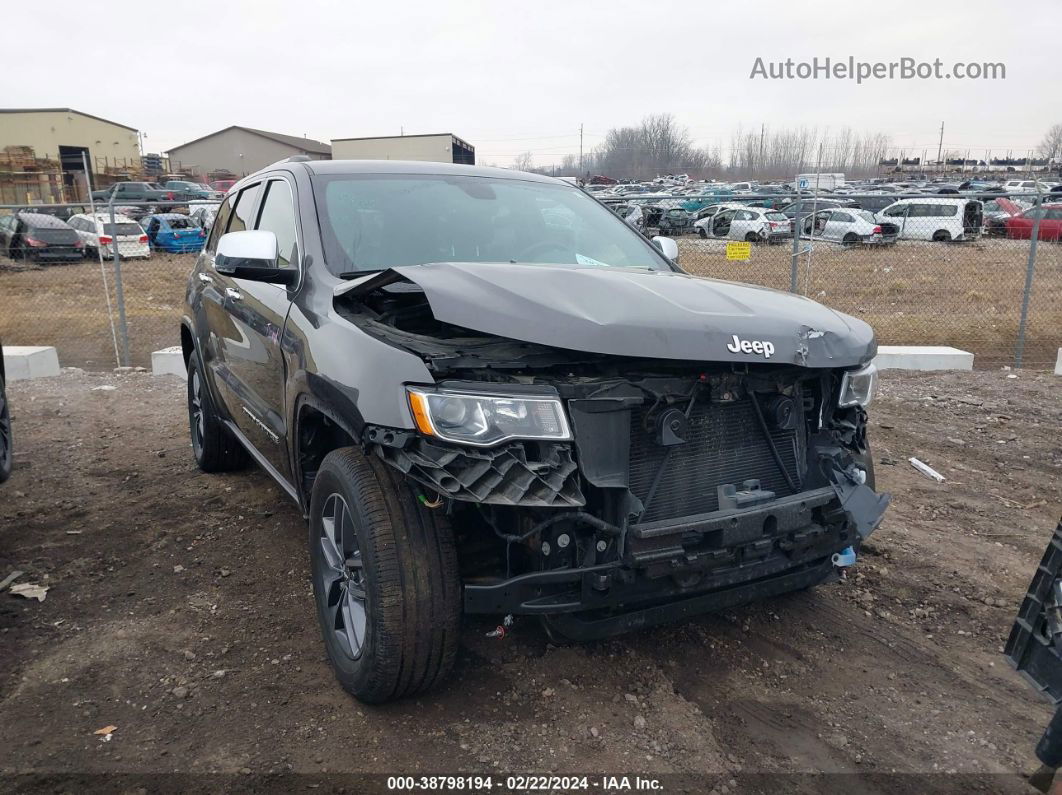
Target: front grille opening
{"x":724,"y":445}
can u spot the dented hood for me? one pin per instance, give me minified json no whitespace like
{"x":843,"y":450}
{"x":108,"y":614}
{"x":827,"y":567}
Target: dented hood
{"x":627,"y":312}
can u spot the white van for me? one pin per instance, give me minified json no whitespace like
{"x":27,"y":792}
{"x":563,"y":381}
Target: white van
{"x":932,"y":218}
{"x":99,"y":234}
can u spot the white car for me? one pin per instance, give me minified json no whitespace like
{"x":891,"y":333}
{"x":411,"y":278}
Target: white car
{"x":849,"y":227}
{"x":99,"y":235}
{"x":935,"y":218}
{"x":754,"y":224}
{"x":1024,"y":186}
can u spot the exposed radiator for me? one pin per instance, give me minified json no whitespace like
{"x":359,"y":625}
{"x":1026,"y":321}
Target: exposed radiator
{"x":724,"y":445}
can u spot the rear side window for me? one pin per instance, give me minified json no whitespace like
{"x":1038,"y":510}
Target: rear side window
{"x":240,"y":219}
{"x":218,"y":229}
{"x":278,"y":216}
{"x":844,"y":218}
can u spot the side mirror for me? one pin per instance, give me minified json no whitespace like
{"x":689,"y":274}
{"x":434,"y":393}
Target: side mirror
{"x":668,"y":247}
{"x":252,"y":255}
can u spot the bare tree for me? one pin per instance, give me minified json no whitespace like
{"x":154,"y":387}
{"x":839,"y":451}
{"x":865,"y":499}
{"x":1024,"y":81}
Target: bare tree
{"x":524,"y":161}
{"x":1051,"y":146}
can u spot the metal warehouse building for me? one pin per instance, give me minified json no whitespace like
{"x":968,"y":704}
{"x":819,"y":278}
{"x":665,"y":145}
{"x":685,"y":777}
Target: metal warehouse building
{"x":41,"y":152}
{"x":242,"y":151}
{"x":438,"y":148}
{"x":60,"y":133}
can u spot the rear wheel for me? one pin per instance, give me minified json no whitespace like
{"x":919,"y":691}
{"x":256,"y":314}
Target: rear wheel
{"x":5,"y":434}
{"x":385,"y":579}
{"x":215,"y":449}
{"x":751,"y":237}
{"x":942,"y":236}
{"x":850,"y":239}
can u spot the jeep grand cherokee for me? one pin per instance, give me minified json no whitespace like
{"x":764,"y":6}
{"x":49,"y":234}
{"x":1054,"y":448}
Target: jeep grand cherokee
{"x":488,"y":394}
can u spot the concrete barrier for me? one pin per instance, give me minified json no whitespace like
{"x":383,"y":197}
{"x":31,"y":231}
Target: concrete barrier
{"x":168,"y":361}
{"x":922,"y":357}
{"x":30,"y":361}
{"x":1058,"y":363}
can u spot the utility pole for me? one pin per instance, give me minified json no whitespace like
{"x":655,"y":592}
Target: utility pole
{"x":580,"y":148}
{"x":940,"y":147}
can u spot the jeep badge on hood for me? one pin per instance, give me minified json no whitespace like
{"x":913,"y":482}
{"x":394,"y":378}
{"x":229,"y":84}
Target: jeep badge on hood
{"x":764,"y":349}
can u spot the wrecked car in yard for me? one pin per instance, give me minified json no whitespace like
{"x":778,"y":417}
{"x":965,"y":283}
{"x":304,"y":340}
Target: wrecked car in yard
{"x":481,"y":410}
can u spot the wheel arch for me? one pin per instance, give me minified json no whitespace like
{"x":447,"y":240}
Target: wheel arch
{"x":317,"y":428}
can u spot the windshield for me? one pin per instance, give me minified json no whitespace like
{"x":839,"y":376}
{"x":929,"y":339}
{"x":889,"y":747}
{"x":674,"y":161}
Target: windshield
{"x":122,"y":229}
{"x":866,"y":215}
{"x":372,"y":222}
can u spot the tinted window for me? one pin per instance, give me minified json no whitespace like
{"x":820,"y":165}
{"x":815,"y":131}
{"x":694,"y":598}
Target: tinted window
{"x":894,"y":212}
{"x":278,"y":216}
{"x":218,"y":229}
{"x":241,"y":209}
{"x":844,"y":218}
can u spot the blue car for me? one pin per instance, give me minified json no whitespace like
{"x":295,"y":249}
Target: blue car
{"x":173,"y":232}
{"x":707,"y":196}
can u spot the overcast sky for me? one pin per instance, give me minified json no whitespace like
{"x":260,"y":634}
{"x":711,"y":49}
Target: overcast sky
{"x":511,"y":77}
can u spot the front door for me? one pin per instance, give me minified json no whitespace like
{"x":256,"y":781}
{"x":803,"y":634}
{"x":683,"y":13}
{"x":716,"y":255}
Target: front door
{"x":258,"y":310}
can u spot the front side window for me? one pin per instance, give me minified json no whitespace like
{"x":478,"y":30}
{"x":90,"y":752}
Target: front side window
{"x":278,"y":216}
{"x":376,"y":221}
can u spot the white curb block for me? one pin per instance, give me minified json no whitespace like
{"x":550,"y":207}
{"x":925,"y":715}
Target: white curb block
{"x":30,"y":361}
{"x":168,"y":361}
{"x":1058,"y":363}
{"x":922,"y":357}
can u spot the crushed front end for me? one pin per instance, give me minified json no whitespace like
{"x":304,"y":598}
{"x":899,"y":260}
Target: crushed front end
{"x":605,"y":493}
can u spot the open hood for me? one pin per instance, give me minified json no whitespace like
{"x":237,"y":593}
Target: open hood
{"x":636,"y":313}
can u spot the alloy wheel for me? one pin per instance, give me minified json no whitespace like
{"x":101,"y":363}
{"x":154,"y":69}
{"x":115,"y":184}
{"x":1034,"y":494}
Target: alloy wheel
{"x":195,"y":408}
{"x":342,"y":576}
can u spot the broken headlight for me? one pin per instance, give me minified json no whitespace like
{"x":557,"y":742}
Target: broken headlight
{"x":486,"y":419}
{"x":857,"y":386}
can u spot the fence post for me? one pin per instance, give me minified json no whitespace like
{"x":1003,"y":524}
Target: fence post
{"x":118,"y":294}
{"x":795,"y":256}
{"x":1030,"y":268}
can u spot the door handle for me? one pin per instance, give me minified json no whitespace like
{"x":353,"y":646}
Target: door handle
{"x":203,"y":277}
{"x":233,"y":293}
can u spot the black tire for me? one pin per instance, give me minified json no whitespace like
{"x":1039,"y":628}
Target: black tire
{"x":398,"y":563}
{"x":850,"y":239}
{"x":942,"y":236}
{"x":701,"y":232}
{"x":214,"y":448}
{"x":752,"y":237}
{"x":5,"y":435}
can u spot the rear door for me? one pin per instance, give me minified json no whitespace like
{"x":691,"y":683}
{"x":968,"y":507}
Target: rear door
{"x":220,"y":338}
{"x":258,"y":312}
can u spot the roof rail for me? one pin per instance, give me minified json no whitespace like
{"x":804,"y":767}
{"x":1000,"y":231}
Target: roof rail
{"x":296,"y":159}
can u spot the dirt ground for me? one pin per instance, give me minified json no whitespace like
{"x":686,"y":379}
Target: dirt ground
{"x":913,"y":293}
{"x":179,"y":610}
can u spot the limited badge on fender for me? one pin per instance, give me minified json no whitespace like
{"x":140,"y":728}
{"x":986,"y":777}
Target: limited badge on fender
{"x":760,"y":347}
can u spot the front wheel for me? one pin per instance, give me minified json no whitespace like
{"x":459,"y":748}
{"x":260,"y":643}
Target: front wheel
{"x":752,"y":237}
{"x":942,"y":236}
{"x":385,"y":579}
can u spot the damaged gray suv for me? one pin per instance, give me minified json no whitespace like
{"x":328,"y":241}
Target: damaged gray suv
{"x":488,"y":394}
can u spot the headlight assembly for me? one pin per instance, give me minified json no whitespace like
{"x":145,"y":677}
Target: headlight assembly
{"x":857,"y":386}
{"x":485,"y":420}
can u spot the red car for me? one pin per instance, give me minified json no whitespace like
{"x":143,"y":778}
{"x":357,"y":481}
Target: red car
{"x":222,"y":185}
{"x":1019,"y":227}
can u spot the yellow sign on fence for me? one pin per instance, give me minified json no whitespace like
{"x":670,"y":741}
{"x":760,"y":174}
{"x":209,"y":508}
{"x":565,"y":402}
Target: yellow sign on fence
{"x":740,"y":251}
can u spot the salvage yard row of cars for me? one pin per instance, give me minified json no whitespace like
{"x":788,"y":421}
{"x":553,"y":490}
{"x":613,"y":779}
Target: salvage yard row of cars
{"x":867,"y":214}
{"x":46,"y":239}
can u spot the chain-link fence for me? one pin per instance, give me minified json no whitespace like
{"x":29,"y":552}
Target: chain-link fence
{"x":982,"y":272}
{"x":103,"y":283}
